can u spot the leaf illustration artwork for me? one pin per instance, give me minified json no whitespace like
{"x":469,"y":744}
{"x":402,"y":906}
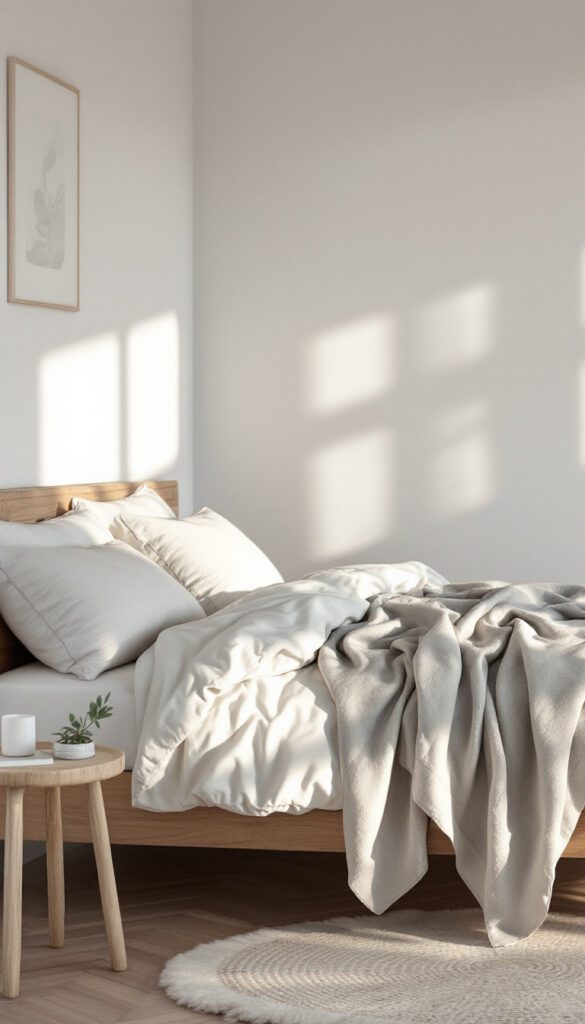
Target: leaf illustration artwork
{"x":48,"y":248}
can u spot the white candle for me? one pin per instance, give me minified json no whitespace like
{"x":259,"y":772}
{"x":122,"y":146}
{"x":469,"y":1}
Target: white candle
{"x":17,"y":735}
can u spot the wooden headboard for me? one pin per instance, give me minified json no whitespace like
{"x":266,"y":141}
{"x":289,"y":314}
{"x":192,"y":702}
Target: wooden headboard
{"x":31,"y":504}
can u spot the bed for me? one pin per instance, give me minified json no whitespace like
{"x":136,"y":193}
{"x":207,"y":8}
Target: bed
{"x":205,"y":826}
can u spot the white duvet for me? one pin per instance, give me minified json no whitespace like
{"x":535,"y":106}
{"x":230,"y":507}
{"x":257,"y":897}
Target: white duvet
{"x":232,"y":710}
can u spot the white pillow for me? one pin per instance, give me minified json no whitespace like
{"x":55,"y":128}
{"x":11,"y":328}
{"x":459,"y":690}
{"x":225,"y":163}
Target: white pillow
{"x":142,"y":502}
{"x":78,"y":528}
{"x":85,"y":610}
{"x":214,"y":560}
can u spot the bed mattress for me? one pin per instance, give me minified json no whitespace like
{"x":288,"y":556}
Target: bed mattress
{"x":37,"y":690}
{"x":268,"y":744}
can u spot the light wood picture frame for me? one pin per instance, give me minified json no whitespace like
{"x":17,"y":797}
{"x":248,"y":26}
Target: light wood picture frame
{"x":43,"y":188}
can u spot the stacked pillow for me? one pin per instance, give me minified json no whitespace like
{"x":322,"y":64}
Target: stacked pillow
{"x":87,"y":609}
{"x":83,"y":602}
{"x":80,"y":601}
{"x":80,"y":528}
{"x":209,"y":556}
{"x":143,"y":502}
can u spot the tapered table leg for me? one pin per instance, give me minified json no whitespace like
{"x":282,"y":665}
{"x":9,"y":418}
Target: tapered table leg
{"x":12,"y":920}
{"x":55,"y":871}
{"x":106,"y":877}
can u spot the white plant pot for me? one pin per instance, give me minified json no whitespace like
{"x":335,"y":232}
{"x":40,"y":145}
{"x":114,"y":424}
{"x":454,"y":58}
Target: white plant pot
{"x":73,"y":751}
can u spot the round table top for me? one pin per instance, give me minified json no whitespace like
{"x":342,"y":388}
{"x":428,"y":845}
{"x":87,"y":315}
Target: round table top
{"x":107,"y":762}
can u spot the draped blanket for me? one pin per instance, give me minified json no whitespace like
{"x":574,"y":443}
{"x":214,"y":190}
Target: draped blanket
{"x":462,"y":703}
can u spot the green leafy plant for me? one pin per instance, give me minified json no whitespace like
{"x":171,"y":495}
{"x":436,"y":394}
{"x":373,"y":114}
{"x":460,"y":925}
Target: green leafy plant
{"x":78,"y":730}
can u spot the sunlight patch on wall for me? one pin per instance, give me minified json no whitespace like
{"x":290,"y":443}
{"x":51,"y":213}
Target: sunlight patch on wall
{"x":79,"y":411}
{"x":457,"y":330}
{"x":353,"y":363}
{"x":349,"y":495}
{"x":463,"y":470}
{"x":152,"y":388}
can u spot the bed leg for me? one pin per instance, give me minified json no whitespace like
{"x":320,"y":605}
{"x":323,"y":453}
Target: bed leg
{"x":55,"y":870}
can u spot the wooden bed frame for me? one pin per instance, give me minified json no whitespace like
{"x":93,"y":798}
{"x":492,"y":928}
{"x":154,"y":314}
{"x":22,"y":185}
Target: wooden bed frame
{"x":205,"y":826}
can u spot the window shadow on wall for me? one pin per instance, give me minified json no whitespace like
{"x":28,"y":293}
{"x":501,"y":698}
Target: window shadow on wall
{"x":389,"y":236}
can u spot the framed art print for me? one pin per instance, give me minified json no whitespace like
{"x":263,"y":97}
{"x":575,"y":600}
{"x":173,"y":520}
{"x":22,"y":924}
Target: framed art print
{"x":43,"y":188}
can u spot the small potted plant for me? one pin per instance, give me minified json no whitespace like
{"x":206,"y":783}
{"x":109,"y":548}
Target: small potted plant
{"x":75,"y":740}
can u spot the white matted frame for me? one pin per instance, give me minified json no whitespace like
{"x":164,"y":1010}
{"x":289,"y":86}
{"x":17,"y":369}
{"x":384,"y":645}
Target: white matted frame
{"x":43,"y":188}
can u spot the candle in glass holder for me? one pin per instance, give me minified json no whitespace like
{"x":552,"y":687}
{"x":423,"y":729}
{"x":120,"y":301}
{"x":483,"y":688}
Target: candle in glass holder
{"x":17,"y":735}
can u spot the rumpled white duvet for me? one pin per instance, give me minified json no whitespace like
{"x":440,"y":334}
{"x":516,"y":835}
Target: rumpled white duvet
{"x":233,"y":712}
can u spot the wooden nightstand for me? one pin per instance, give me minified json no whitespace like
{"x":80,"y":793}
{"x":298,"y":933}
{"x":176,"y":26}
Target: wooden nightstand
{"x":107,"y":762}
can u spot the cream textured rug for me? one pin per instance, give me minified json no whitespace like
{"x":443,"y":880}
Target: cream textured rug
{"x":406,"y":967}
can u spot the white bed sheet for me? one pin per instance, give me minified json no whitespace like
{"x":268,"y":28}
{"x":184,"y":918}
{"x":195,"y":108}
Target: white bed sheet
{"x":268,"y":744}
{"x":37,"y":690}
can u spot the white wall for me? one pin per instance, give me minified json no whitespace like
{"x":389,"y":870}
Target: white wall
{"x":390,"y":267}
{"x":106,"y":393}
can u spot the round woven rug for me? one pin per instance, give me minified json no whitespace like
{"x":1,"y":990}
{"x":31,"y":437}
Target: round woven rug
{"x":406,"y":967}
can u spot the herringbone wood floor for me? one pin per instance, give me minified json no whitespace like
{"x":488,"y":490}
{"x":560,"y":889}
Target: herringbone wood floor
{"x":174,"y":899}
